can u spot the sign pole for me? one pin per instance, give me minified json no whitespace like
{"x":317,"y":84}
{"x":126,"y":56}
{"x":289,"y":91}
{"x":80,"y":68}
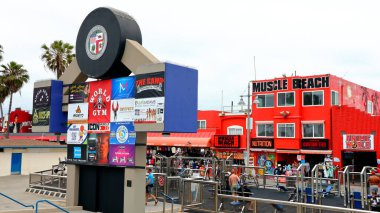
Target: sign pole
{"x":248,"y":127}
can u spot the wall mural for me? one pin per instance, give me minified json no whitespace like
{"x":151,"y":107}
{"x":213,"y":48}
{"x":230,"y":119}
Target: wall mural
{"x":268,"y":161}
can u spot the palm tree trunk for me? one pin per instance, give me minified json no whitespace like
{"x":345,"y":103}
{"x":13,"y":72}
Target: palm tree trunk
{"x":9,"y":115}
{"x":1,"y":110}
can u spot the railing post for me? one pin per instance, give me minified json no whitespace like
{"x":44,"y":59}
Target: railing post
{"x":216,"y":196}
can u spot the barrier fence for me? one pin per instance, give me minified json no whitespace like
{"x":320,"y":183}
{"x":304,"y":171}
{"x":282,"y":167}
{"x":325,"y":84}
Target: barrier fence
{"x":42,"y":181}
{"x":193,"y":195}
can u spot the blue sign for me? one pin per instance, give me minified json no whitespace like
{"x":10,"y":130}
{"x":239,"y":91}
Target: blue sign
{"x":77,"y":152}
{"x":123,"y":88}
{"x":122,"y":133}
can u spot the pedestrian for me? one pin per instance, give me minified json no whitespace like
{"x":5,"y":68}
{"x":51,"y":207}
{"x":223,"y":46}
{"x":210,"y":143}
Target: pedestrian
{"x":233,"y":181}
{"x":373,"y":182}
{"x":148,"y":188}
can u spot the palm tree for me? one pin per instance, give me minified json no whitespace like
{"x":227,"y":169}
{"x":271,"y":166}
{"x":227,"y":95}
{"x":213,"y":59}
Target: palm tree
{"x":58,"y":56}
{"x":1,"y":52}
{"x":14,"y":76}
{"x":4,"y":92}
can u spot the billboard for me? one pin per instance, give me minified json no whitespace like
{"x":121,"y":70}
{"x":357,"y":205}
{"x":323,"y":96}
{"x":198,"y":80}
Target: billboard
{"x":77,"y":153}
{"x":122,"y":133}
{"x":97,"y":148}
{"x":122,"y":155}
{"x":99,"y":102}
{"x":77,"y":134}
{"x":123,"y":88}
{"x":41,"y":97}
{"x":41,"y":116}
{"x":122,"y":110}
{"x":77,"y":113}
{"x":78,"y":93}
{"x":358,"y":141}
{"x":150,"y":85}
{"x":227,"y":141}
{"x":149,"y":110}
{"x":99,"y":128}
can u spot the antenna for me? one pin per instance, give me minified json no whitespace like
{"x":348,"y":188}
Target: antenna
{"x":254,"y":65}
{"x":221,"y":106}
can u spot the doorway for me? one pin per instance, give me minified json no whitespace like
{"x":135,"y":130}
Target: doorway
{"x":359,"y":159}
{"x":16,"y":163}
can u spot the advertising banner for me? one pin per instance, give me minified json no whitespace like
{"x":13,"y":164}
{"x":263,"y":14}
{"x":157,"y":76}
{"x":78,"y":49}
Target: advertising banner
{"x":123,"y":88}
{"x":122,"y":155}
{"x":97,"y":148}
{"x":77,"y":113}
{"x":263,"y":143}
{"x":41,"y":97}
{"x":149,"y":110}
{"x":77,"y":153}
{"x":122,"y":110}
{"x":99,"y":102}
{"x":315,"y":144}
{"x":227,"y":141}
{"x":122,"y":133}
{"x":41,"y":116}
{"x":77,"y":134}
{"x":99,"y":128}
{"x":358,"y":141}
{"x":150,"y":85}
{"x":78,"y":93}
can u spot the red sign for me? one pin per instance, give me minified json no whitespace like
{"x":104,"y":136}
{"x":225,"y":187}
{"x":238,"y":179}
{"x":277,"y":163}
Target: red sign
{"x":264,"y":143}
{"x":227,"y":141}
{"x":315,"y":144}
{"x":99,"y":102}
{"x":161,"y":181}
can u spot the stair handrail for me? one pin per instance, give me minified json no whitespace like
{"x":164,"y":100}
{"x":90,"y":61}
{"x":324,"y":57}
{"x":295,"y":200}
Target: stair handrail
{"x":16,"y":201}
{"x":52,"y":204}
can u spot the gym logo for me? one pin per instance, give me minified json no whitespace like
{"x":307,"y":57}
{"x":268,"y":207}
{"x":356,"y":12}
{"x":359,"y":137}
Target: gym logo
{"x":122,"y":134}
{"x":96,"y":42}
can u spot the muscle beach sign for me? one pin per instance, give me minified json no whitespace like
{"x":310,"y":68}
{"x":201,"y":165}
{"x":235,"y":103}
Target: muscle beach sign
{"x":296,"y":83}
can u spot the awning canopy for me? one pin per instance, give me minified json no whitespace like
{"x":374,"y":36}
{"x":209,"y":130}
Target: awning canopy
{"x":200,"y":139}
{"x":288,"y":151}
{"x":316,"y":152}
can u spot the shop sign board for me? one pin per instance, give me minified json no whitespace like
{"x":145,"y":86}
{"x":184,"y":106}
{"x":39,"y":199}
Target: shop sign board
{"x":122,"y":133}
{"x":315,"y":144}
{"x":41,"y":97}
{"x":227,"y":141}
{"x":358,"y":141}
{"x":77,"y":113}
{"x":297,"y":83}
{"x":78,"y":93}
{"x":99,"y":102}
{"x":99,"y":128}
{"x":77,"y":134}
{"x":123,"y":88}
{"x":122,"y":110}
{"x":263,"y":143}
{"x":122,"y":155}
{"x":149,"y":110}
{"x":41,"y":116}
{"x":150,"y":85}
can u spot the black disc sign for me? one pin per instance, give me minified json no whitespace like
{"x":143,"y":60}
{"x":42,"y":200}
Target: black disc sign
{"x":101,"y":42}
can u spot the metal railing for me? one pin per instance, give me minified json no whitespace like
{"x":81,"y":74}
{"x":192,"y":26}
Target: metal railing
{"x":52,"y":204}
{"x":16,"y":201}
{"x":169,"y":198}
{"x":48,"y":182}
{"x":194,"y":199}
{"x":300,"y":207}
{"x":363,"y":184}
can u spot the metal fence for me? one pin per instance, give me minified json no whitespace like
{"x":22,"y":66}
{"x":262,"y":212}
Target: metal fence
{"x":49,"y":182}
{"x":193,"y":196}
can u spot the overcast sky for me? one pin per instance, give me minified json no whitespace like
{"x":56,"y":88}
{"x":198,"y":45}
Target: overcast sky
{"x":219,"y":38}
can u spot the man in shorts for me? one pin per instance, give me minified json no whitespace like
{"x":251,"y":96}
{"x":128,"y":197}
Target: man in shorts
{"x":148,"y":188}
{"x":373,"y":182}
{"x":233,"y":181}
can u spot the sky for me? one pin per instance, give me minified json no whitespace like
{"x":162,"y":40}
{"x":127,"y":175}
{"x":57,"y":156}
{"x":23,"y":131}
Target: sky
{"x":220,"y":39}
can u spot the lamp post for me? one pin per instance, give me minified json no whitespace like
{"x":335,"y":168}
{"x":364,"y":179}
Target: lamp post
{"x":248,"y":123}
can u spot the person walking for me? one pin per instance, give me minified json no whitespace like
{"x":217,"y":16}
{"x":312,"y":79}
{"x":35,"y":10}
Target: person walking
{"x":233,"y":181}
{"x":148,"y":188}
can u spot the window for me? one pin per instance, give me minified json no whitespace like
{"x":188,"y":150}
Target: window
{"x":285,"y":130}
{"x":285,"y":99}
{"x":314,"y":98}
{"x":334,"y":98}
{"x":266,"y":100}
{"x":369,"y":107}
{"x":202,"y":124}
{"x":313,"y":130}
{"x":264,"y":130}
{"x":235,"y":130}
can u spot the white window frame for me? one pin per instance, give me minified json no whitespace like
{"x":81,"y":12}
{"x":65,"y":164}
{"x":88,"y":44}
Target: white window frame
{"x":294,"y":131}
{"x":257,"y":106}
{"x":294,"y":104}
{"x":337,"y":98}
{"x":323,"y":96}
{"x":235,"y":127}
{"x":261,"y":123}
{"x":369,"y":110}
{"x":200,"y":124}
{"x":314,"y":122}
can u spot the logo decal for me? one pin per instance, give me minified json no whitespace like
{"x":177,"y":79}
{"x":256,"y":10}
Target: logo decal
{"x":122,"y":134}
{"x":96,"y":42}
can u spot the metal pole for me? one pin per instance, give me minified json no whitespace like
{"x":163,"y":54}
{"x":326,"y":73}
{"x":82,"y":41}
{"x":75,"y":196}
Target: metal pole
{"x":248,"y":124}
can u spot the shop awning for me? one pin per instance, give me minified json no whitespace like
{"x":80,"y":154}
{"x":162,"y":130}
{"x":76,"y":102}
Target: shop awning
{"x":200,"y":139}
{"x":316,"y":152}
{"x":263,"y":150}
{"x":287,"y":151}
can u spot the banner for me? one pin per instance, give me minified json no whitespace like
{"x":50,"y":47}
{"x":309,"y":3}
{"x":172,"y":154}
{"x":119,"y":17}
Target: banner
{"x":41,"y":116}
{"x":77,"y":113}
{"x":263,"y":143}
{"x":77,"y":134}
{"x":149,"y":110}
{"x":122,"y":110}
{"x":97,"y":149}
{"x":78,"y":93}
{"x":123,"y":133}
{"x":123,"y":88}
{"x":77,"y":153}
{"x":41,"y":97}
{"x":99,"y":102}
{"x":150,"y":85}
{"x":358,"y":141}
{"x":99,"y":128}
{"x":122,"y":155}
{"x":227,"y":141}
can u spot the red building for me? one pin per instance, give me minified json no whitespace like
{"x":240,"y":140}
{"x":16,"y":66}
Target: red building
{"x":312,"y":118}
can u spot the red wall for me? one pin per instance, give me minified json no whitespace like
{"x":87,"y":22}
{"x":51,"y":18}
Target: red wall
{"x":235,"y":120}
{"x":212,"y":118}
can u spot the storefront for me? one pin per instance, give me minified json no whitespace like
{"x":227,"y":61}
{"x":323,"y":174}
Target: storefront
{"x":315,"y":150}
{"x":264,"y":153}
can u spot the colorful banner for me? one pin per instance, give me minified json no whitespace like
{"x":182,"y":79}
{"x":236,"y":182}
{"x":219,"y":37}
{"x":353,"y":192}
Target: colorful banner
{"x":78,"y":93}
{"x":122,"y":155}
{"x":41,"y":116}
{"x":358,"y":141}
{"x":77,"y":113}
{"x":122,"y":110}
{"x":99,"y":128}
{"x":149,"y":110}
{"x":77,"y":153}
{"x":227,"y":141}
{"x":150,"y":85}
{"x":123,"y":88}
{"x":41,"y":97}
{"x":77,"y":134}
{"x":99,"y":102}
{"x":123,"y":133}
{"x":97,"y":149}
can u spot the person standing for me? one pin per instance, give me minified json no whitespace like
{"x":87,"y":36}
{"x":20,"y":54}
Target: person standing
{"x":148,"y":188}
{"x":233,"y":181}
{"x":373,"y":182}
